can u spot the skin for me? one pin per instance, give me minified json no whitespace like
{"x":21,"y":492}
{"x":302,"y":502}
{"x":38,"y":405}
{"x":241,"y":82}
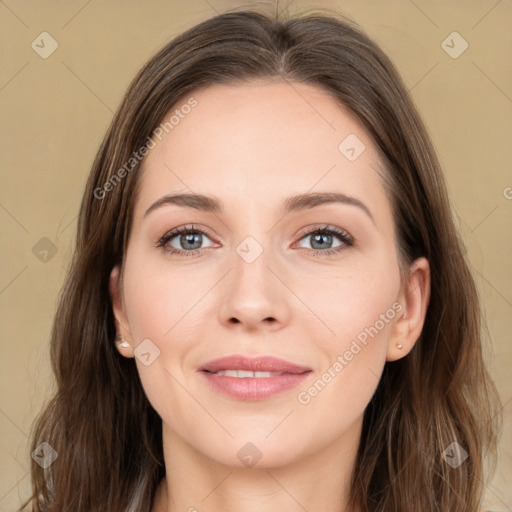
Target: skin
{"x":252,"y":146}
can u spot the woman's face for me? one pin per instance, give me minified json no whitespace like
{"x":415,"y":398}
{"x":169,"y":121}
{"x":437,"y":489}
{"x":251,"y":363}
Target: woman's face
{"x":256,"y":278}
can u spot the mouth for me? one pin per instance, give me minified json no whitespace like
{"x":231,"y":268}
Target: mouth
{"x":246,"y":374}
{"x":249,"y":365}
{"x":253,"y":378}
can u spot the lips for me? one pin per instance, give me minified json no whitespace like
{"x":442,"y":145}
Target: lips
{"x":256,"y":378}
{"x":254,"y":364}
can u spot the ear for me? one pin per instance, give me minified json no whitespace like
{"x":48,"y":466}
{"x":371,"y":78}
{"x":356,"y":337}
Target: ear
{"x":414,"y":299}
{"x":122,"y":326}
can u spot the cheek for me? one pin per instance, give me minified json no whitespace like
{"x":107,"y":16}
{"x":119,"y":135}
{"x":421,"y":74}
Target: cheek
{"x":159,"y":298}
{"x":354,"y":359}
{"x":364,"y":313}
{"x":160,"y":305}
{"x":357,"y":301}
{"x":360,"y":310}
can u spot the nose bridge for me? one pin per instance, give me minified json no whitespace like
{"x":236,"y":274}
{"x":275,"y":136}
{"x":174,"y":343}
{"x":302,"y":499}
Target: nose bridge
{"x":251,"y":274}
{"x":252,"y":293}
{"x":254,"y":253}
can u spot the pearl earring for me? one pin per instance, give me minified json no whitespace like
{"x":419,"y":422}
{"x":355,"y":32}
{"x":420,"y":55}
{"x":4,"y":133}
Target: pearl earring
{"x":121,"y":341}
{"x":398,"y":346}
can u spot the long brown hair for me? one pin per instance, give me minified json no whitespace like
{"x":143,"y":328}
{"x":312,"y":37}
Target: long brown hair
{"x":107,"y":435}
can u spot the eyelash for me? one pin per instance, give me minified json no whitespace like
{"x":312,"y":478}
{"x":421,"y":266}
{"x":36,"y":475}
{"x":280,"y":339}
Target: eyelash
{"x":346,"y":238}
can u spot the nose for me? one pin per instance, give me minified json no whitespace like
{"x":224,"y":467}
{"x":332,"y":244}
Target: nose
{"x":253,"y":295}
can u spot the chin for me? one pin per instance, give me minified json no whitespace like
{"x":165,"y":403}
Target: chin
{"x":256,"y":452}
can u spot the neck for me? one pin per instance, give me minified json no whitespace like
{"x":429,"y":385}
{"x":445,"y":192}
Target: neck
{"x":195,"y":482}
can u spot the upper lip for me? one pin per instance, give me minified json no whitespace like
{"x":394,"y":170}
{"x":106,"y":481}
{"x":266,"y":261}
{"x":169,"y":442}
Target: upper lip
{"x":254,"y":363}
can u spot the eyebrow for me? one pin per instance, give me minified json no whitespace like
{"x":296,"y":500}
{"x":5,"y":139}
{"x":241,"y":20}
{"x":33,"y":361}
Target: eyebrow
{"x":292,"y":204}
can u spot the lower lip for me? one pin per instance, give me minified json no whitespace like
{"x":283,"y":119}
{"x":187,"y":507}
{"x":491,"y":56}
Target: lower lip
{"x":254,"y":388}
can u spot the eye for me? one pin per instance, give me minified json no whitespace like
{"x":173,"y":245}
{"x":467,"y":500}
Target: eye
{"x":183,"y":241}
{"x":322,"y":238}
{"x":188,"y":241}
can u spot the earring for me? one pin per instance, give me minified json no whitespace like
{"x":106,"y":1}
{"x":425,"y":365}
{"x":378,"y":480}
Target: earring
{"x":120,"y":341}
{"x":398,"y":346}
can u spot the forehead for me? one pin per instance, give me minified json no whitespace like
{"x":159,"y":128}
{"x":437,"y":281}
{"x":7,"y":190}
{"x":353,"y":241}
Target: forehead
{"x":261,"y":140}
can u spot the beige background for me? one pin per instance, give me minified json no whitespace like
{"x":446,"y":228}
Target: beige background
{"x":56,"y":110}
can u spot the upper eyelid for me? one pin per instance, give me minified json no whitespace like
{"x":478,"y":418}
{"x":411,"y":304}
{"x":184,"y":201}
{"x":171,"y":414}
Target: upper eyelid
{"x":172,"y":232}
{"x":324,"y":227}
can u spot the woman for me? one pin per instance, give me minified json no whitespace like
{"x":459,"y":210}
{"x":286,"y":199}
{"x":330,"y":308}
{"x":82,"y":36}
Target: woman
{"x":317,"y":346}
